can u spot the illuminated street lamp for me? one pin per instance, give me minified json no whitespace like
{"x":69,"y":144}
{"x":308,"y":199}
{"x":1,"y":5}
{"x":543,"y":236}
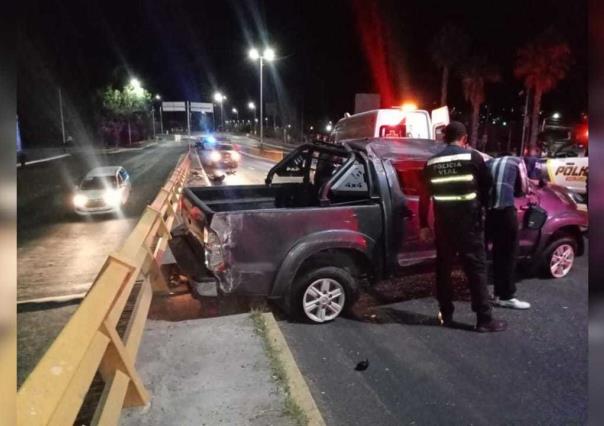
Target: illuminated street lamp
{"x":220,"y":98}
{"x":556,"y":115}
{"x":236,"y":112}
{"x":329,"y":127}
{"x":267,"y":55}
{"x":161,"y":124}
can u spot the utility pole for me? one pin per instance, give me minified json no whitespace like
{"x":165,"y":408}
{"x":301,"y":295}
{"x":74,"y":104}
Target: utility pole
{"x":188,"y":118}
{"x":61,"y":111}
{"x":525,"y":122}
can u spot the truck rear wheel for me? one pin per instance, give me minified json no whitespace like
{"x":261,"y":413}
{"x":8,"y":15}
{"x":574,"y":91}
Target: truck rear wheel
{"x":321,"y":295}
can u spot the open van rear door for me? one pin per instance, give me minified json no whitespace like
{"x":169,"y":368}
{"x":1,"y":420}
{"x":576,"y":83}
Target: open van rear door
{"x":440,"y":118}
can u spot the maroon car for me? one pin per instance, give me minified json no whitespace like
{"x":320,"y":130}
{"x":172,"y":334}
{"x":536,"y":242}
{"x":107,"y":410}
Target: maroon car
{"x":330,"y":217}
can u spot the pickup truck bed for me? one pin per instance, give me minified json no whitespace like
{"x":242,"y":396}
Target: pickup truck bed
{"x":257,"y":226}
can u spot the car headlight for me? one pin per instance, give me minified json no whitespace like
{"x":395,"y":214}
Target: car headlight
{"x":112,"y":197}
{"x":235,"y":156}
{"x":215,"y":156}
{"x":80,"y":200}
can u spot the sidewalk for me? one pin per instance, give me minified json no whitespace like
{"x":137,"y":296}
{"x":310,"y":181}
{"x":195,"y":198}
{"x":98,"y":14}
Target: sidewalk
{"x":207,"y":372}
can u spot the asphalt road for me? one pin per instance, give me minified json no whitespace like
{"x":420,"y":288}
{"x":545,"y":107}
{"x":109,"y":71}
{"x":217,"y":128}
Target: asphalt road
{"x":59,"y":253}
{"x":422,"y":373}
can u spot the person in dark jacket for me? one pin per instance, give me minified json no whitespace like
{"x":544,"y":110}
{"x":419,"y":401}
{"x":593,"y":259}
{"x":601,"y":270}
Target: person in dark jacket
{"x":458,"y":182}
{"x":510,"y":180}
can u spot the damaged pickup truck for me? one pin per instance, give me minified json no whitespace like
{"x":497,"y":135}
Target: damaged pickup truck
{"x":330,"y":217}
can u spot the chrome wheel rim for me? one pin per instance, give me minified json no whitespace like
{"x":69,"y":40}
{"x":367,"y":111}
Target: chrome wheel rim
{"x":562,"y":260}
{"x":323,"y":300}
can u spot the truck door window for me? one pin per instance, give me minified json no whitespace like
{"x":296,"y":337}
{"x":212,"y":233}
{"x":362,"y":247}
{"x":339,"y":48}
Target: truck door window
{"x":410,"y":176}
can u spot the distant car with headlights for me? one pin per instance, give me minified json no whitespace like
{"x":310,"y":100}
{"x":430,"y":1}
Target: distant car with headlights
{"x":218,"y":157}
{"x":102,"y":190}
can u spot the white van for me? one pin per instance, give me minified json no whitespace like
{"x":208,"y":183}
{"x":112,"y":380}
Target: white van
{"x":391,"y":123}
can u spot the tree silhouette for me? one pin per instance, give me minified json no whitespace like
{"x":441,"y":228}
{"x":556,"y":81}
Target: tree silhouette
{"x":448,"y":49}
{"x":541,"y":64}
{"x":126,"y":103}
{"x":475,"y":74}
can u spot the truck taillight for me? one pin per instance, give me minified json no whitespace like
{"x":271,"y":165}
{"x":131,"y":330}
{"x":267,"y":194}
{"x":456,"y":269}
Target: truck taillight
{"x":214,"y":256}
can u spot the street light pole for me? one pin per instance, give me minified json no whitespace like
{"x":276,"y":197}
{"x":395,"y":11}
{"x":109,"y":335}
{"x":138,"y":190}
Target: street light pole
{"x":269,"y":55}
{"x":261,"y":104}
{"x":161,"y":124}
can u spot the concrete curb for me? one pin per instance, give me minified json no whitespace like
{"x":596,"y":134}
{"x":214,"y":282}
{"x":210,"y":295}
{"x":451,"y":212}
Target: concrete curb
{"x":44,"y":160}
{"x":204,"y":176}
{"x":299,"y":390}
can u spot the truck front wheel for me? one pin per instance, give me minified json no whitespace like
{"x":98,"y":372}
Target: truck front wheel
{"x":321,"y":295}
{"x":560,"y":257}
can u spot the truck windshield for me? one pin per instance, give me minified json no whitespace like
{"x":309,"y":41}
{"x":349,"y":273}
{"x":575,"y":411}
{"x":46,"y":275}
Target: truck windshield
{"x":99,"y":182}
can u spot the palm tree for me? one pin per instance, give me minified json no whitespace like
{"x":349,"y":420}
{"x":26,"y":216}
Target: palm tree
{"x":541,"y":64}
{"x":475,"y":74}
{"x":448,"y":48}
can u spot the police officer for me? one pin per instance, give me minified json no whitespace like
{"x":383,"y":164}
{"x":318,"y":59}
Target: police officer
{"x":458,"y":182}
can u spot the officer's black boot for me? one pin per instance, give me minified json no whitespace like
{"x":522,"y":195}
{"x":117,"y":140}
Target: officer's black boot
{"x":490,"y":325}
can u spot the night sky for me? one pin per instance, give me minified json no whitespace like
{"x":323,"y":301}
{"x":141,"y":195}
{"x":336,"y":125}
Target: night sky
{"x":185,"y":50}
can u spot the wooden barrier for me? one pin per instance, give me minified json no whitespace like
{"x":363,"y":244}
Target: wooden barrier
{"x":89,"y":343}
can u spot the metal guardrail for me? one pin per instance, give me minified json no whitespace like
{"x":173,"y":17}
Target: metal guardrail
{"x":55,"y":390}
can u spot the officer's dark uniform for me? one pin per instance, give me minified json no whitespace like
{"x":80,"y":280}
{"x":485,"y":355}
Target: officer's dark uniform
{"x":458,"y":181}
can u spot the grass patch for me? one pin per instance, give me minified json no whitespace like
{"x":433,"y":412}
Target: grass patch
{"x":291,"y":407}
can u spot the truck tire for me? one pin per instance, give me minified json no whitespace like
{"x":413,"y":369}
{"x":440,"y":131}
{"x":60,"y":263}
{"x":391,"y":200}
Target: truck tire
{"x":321,"y":295}
{"x":559,"y":257}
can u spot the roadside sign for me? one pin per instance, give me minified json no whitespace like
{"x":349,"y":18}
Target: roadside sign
{"x":173,"y":106}
{"x":202,"y":107}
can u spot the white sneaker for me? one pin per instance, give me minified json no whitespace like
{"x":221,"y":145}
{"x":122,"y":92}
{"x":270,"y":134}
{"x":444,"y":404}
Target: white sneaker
{"x":511,"y":303}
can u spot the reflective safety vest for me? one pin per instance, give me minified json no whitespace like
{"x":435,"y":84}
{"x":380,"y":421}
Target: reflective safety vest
{"x":452,"y":178}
